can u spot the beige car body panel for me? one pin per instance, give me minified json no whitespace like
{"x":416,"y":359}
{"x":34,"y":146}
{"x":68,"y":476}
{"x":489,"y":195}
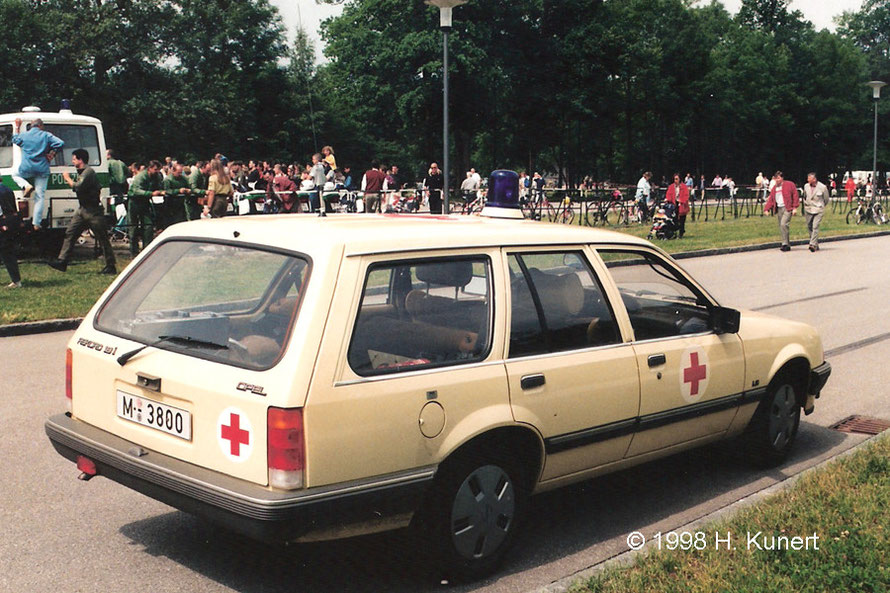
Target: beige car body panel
{"x":358,"y":428}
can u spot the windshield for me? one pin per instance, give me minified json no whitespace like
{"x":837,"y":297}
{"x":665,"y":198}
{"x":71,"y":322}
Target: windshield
{"x":228,"y":303}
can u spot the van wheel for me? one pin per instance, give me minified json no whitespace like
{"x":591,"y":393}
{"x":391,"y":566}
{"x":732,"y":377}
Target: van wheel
{"x":472,"y":515}
{"x":773,"y":428}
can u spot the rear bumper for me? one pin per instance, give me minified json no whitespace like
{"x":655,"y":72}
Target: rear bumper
{"x":342,"y":510}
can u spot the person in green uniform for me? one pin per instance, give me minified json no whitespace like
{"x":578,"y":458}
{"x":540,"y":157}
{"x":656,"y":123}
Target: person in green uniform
{"x":198,"y":185}
{"x":140,"y":210}
{"x":89,"y":215}
{"x":176,"y":191}
{"x":117,"y":173}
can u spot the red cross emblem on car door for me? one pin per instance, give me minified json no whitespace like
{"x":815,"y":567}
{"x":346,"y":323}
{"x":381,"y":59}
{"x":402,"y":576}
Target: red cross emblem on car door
{"x":694,"y":374}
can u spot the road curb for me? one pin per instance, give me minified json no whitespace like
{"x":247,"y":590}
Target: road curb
{"x":39,"y":327}
{"x":626,"y":559}
{"x":55,"y":325}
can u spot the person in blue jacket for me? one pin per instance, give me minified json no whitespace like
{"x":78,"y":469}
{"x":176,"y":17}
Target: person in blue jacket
{"x":38,"y":149}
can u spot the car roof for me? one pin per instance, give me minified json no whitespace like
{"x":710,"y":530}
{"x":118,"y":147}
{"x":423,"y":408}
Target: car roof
{"x":360,"y":234}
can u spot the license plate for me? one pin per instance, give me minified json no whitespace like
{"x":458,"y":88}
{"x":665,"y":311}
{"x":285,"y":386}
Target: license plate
{"x":155,"y":415}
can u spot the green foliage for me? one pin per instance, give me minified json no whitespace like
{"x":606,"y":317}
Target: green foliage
{"x":569,"y":87}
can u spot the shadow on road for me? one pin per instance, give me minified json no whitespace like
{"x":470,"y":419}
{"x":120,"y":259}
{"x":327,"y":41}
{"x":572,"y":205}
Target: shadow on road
{"x":577,"y":527}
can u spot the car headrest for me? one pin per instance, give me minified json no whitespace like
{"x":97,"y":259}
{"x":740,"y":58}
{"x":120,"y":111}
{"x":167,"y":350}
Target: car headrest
{"x":561,"y":296}
{"x":456,"y":273}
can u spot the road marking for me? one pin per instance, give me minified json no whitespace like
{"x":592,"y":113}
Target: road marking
{"x":857,"y":345}
{"x":811,"y":298}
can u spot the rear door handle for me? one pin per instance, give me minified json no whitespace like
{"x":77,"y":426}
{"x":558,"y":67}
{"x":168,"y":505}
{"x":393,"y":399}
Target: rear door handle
{"x":657,"y":360}
{"x":532,"y":381}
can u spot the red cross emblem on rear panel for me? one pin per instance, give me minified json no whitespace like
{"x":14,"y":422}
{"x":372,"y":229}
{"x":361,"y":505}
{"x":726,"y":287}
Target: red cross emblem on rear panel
{"x":234,"y":434}
{"x":694,"y":374}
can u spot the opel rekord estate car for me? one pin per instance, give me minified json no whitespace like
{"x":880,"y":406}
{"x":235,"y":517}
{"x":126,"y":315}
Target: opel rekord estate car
{"x":297,"y":378}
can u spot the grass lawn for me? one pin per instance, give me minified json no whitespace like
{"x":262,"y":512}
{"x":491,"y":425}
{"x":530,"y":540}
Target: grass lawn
{"x":846,"y":504}
{"x":48,"y":294}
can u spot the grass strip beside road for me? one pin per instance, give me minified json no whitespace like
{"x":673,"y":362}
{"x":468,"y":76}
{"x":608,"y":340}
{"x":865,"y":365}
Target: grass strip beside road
{"x":845,"y":503}
{"x":48,"y":294}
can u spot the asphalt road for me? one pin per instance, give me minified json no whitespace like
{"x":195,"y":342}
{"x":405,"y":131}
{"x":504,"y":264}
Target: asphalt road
{"x":58,"y":534}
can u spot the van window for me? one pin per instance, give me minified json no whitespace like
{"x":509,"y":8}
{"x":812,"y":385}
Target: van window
{"x":418,"y":314}
{"x":74,"y":137}
{"x":222,"y":302}
{"x":6,"y":146}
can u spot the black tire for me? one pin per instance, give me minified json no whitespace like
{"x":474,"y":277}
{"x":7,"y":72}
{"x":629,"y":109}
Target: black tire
{"x":773,"y":428}
{"x":472,"y":514}
{"x":851,"y":217}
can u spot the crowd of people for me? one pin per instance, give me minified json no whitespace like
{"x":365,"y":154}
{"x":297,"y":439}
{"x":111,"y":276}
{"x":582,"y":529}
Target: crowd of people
{"x":153,"y":195}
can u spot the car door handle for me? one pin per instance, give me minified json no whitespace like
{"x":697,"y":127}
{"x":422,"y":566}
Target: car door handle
{"x":657,"y":360}
{"x":532,"y":381}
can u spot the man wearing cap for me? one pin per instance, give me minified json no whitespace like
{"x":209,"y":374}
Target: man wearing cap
{"x":88,"y":216}
{"x":38,"y":149}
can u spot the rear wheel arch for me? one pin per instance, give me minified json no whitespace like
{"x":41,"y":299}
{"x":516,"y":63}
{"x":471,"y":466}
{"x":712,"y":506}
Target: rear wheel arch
{"x":523,"y":446}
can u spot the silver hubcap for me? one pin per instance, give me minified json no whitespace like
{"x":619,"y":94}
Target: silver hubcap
{"x":782,"y":416}
{"x":483,"y":512}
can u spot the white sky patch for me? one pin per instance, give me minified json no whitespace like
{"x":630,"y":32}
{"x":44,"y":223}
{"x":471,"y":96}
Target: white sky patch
{"x":310,"y":14}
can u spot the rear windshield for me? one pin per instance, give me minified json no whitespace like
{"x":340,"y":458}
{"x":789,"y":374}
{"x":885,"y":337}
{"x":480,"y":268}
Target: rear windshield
{"x":75,"y":136}
{"x":228,"y":303}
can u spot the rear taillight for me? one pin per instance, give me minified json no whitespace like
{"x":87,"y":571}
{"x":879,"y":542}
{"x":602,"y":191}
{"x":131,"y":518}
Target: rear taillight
{"x":286,"y":452}
{"x":68,"y":395}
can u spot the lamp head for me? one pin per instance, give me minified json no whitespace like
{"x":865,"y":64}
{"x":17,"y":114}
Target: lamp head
{"x":445,"y":7}
{"x":876,"y":86}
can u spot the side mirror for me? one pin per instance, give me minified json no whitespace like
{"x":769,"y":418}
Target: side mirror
{"x":725,"y":320}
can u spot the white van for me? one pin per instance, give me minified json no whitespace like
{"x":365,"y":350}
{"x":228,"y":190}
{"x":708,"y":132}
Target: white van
{"x":77,"y":131}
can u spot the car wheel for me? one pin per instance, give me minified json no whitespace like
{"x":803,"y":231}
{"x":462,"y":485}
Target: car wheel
{"x":773,"y":428}
{"x":472,"y":515}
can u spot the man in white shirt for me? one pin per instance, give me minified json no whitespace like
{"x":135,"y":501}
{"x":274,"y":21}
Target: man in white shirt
{"x":815,"y":201}
{"x":644,"y":191}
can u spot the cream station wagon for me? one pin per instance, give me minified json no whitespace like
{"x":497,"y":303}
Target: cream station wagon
{"x":298,"y":378}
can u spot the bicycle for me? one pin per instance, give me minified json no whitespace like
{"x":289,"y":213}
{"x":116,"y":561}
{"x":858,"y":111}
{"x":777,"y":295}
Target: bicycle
{"x":563,"y":212}
{"x":610,"y":212}
{"x":867,"y":211}
{"x":473,"y":205}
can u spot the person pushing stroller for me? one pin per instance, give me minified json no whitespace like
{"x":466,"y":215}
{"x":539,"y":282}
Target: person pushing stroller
{"x":678,"y":195}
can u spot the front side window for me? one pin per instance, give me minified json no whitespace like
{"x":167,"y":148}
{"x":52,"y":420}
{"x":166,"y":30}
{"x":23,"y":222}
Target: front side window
{"x":422,"y":313}
{"x":227,"y":303}
{"x":74,"y":137}
{"x":660,"y":302}
{"x":557,"y":304}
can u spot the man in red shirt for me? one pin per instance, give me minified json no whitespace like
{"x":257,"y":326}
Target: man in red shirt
{"x":372,"y":184}
{"x":783,"y":196}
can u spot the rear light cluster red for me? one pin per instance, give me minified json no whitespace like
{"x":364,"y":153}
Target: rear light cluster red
{"x":286,"y":451}
{"x":68,"y":394}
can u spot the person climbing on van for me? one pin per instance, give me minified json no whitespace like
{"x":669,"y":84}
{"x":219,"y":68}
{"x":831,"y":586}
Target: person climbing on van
{"x":88,"y":216}
{"x":38,"y":149}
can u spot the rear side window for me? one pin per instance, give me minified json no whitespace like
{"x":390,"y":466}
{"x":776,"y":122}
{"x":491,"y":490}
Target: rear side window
{"x":228,"y":303}
{"x":418,"y":314}
{"x":557,"y":304}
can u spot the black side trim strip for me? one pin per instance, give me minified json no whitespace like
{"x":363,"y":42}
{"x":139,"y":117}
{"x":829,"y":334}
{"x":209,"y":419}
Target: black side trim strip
{"x":588,"y":436}
{"x":596,"y":434}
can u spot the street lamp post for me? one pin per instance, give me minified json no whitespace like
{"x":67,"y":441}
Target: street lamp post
{"x":445,"y":7}
{"x":876,"y":86}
